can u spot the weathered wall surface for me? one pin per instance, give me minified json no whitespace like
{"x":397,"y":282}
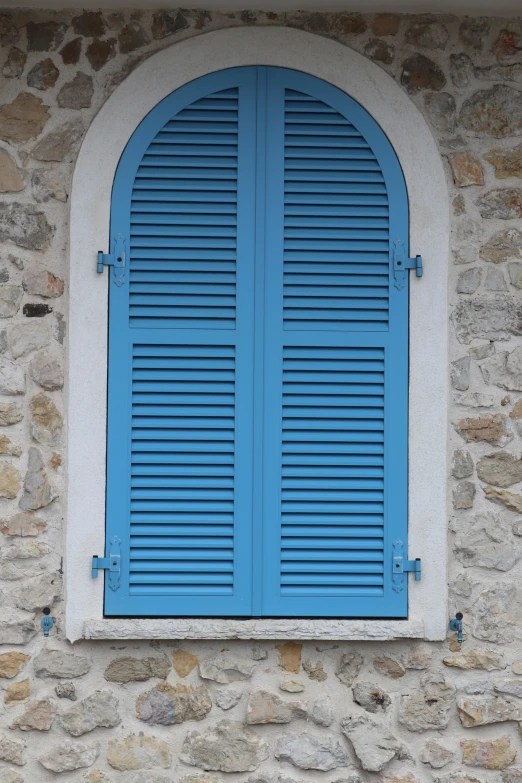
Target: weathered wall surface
{"x":151,"y":712}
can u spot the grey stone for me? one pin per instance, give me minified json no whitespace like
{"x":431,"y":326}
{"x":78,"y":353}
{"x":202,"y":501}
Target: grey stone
{"x":46,"y":369}
{"x":349,"y":666}
{"x":259,"y":653}
{"x":12,"y":751}
{"x":166,"y":704}
{"x":23,"y":524}
{"x":76,"y":94}
{"x":66,"y":690}
{"x":16,"y":627}
{"x":320,"y":711}
{"x":308,"y":751}
{"x":485,"y":541}
{"x":9,"y":33}
{"x":100,"y":52}
{"x":226,"y":747}
{"x":441,"y":111}
{"x":10,"y":776}
{"x":501,"y":203}
{"x":100,"y":709}
{"x":12,"y":377}
{"x":430,"y":35}
{"x":500,"y":469}
{"x":131,"y":669}
{"x":504,"y":369}
{"x":515,"y":274}
{"x":436,"y":755}
{"x":291,"y":684}
{"x":38,"y":281}
{"x":45,"y":36}
{"x":370,"y":697}
{"x":150,"y":777}
{"x":43,"y":75}
{"x":464,"y":495}
{"x":132,"y":37}
{"x":226,"y":698}
{"x":460,"y":370}
{"x":266,"y":707}
{"x":372,"y":742}
{"x":11,"y":177}
{"x":225,"y":668}
{"x":475,"y":400}
{"x":417,"y":657}
{"x":473,"y":31}
{"x":497,"y":614}
{"x":462,"y":586}
{"x":458,"y":777}
{"x":90,"y":24}
{"x":59,"y":664}
{"x":421,"y":73}
{"x":315,"y":670}
{"x":166,"y":23}
{"x":15,"y":63}
{"x":482,"y":710}
{"x":495,"y":280}
{"x":389,"y":667}
{"x":138,"y":751}
{"x":60,"y":144}
{"x":429,"y":706}
{"x":69,"y":755}
{"x":24,"y":225}
{"x":28,"y":336}
{"x":380,"y":51}
{"x":469,"y":280}
{"x":48,"y":184}
{"x":46,"y":420}
{"x":38,"y":491}
{"x":462,"y":465}
{"x":509,"y":687}
{"x":495,"y":318}
{"x":505,"y":245}
{"x":494,"y":113}
{"x":38,"y":592}
{"x":10,"y":298}
{"x":461,"y":69}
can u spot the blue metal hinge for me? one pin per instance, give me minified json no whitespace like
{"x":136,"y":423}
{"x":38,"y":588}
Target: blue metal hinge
{"x":116,"y":259}
{"x":112,"y":563}
{"x":401,"y":263}
{"x":400,"y":567}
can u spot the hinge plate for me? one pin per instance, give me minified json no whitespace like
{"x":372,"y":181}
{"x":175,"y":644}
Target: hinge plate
{"x":400,"y":567}
{"x":401,"y":263}
{"x":112,"y":564}
{"x":116,"y":259}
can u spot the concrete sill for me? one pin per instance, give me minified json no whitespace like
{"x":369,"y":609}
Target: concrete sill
{"x":334,"y":630}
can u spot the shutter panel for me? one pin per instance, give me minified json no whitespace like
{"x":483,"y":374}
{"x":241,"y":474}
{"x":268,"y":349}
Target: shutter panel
{"x":336,"y":390}
{"x":180,"y":355}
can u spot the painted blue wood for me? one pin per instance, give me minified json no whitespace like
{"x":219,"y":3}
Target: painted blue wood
{"x":258,"y":378}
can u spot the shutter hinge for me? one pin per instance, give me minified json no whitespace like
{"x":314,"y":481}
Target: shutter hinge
{"x":116,"y":259}
{"x":400,"y":567}
{"x":112,"y":563}
{"x":401,"y":263}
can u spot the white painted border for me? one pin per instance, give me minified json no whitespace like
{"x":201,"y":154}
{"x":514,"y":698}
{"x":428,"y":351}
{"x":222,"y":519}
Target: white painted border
{"x":106,"y":138}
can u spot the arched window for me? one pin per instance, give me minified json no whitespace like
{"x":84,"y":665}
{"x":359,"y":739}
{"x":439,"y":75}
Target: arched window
{"x":258,"y":356}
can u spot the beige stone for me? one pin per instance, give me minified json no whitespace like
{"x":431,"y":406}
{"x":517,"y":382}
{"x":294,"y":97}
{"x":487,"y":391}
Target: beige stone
{"x":10,"y":413}
{"x":400,"y":777}
{"x":96,"y":776}
{"x":11,"y":664}
{"x":183,"y":662}
{"x":510,"y":500}
{"x":291,"y":684}
{"x":39,"y":716}
{"x":7,"y":448}
{"x":47,"y":421}
{"x":166,"y":704}
{"x":26,"y":523}
{"x":491,"y":429}
{"x":265,"y":707}
{"x":23,"y":119}
{"x":389,"y":667}
{"x":17,"y":691}
{"x":315,"y":670}
{"x":481,"y":710}
{"x":487,"y":660}
{"x":131,"y":669}
{"x":507,"y":163}
{"x":138,"y":751}
{"x":467,"y":169}
{"x":490,"y":754}
{"x":290,"y":656}
{"x":10,"y":480}
{"x":516,"y":667}
{"x":11,"y":178}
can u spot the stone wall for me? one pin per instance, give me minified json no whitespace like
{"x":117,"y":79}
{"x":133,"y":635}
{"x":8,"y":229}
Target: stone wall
{"x":273,"y":713}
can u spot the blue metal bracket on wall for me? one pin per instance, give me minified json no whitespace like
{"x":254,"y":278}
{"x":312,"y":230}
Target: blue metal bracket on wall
{"x":400,"y":567}
{"x":116,"y":259}
{"x":401,"y":264}
{"x":112,"y":563}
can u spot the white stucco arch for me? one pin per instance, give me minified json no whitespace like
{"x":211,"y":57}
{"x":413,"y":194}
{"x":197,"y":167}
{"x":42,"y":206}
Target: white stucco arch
{"x":104,"y":142}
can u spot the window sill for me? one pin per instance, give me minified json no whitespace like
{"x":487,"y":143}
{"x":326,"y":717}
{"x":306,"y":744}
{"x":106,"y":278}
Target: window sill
{"x":335,"y":630}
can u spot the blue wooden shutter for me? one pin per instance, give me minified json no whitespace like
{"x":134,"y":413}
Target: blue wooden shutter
{"x":180,"y":355}
{"x":258,"y":379}
{"x":336,"y":374}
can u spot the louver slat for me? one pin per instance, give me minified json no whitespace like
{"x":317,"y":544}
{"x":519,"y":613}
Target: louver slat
{"x":181,"y":345}
{"x":336,"y":379}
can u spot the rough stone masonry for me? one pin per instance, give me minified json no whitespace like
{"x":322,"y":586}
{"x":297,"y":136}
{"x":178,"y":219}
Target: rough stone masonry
{"x":150,"y":712}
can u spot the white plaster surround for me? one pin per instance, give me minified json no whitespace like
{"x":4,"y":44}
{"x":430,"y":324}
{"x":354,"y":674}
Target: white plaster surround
{"x":103,"y":145}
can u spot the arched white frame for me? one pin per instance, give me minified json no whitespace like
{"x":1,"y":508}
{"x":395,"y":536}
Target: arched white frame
{"x":87,"y":378}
